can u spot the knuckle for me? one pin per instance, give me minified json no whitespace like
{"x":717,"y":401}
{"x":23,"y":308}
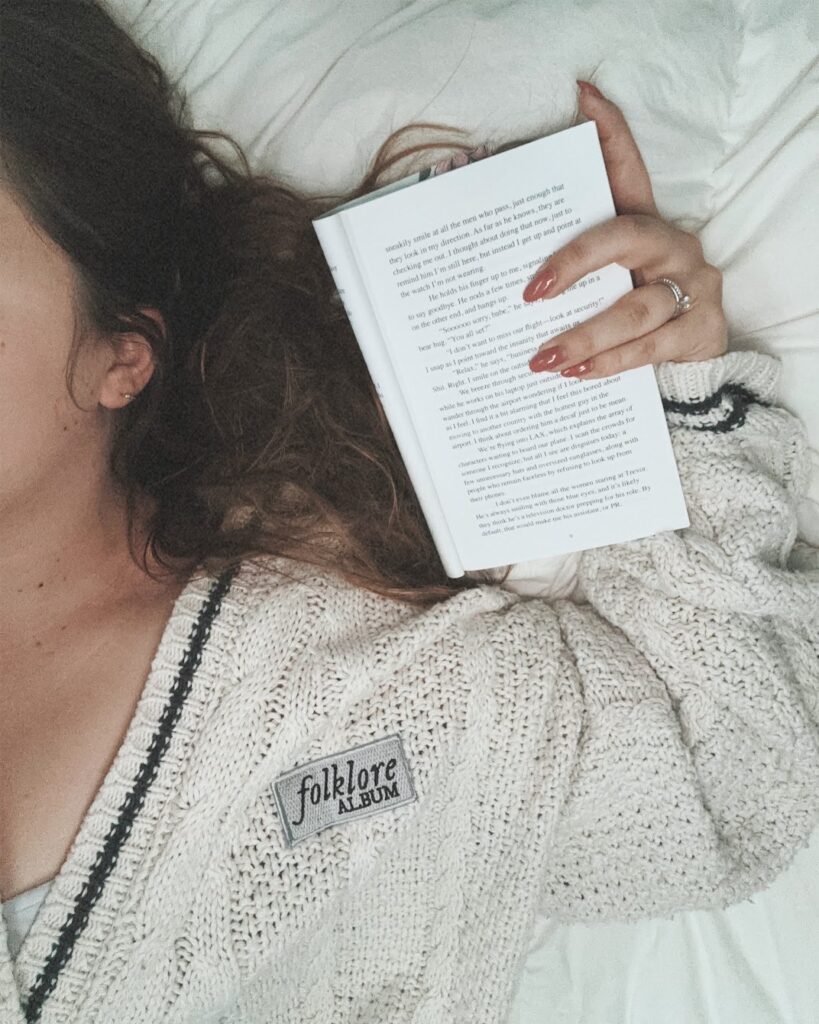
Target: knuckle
{"x":694,"y":245}
{"x":713,"y":278}
{"x":637,"y":314}
{"x":634,"y":225}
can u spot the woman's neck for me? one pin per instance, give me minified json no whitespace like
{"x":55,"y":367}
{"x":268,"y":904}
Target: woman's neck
{"x":66,"y":557}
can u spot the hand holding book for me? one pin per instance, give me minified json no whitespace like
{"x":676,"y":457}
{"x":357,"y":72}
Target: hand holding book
{"x":637,"y":329}
{"x":507,"y":465}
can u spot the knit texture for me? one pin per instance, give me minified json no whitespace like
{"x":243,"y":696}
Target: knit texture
{"x":651,"y":749}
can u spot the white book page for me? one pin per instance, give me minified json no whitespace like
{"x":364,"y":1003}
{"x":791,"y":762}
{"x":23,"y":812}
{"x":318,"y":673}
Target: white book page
{"x":353,"y":294}
{"x":526,"y":465}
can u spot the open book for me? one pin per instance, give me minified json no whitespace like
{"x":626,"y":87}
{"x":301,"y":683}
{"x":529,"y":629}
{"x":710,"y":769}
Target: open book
{"x":508,"y":465}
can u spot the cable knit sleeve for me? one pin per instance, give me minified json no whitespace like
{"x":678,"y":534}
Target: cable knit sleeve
{"x":696,"y":776}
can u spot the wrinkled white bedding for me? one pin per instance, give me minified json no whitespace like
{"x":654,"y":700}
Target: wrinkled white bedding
{"x":722,"y":99}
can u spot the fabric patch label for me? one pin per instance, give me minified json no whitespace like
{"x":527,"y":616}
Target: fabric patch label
{"x":344,"y":787}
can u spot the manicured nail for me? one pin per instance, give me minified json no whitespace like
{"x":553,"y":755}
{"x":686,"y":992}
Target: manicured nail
{"x":539,"y":286}
{"x":545,"y":358}
{"x":588,"y":88}
{"x":576,"y":371}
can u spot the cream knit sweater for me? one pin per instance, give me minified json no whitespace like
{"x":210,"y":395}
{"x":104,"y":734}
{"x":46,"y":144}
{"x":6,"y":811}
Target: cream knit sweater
{"x":651,"y":749}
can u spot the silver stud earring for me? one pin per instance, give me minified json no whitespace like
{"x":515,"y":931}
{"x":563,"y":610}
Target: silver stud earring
{"x":129,"y":396}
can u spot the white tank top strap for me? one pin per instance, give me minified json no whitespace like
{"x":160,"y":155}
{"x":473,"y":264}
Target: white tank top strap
{"x":19,"y":913}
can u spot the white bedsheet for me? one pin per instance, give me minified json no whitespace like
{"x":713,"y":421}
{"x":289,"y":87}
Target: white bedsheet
{"x":722,"y":99}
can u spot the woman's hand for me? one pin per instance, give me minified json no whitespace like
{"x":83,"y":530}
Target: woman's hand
{"x":636,"y":329}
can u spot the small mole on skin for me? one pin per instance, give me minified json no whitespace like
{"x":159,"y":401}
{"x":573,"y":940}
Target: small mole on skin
{"x":39,"y":585}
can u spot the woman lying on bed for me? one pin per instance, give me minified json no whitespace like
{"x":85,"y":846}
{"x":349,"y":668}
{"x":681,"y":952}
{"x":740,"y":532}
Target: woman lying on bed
{"x":262,"y":758}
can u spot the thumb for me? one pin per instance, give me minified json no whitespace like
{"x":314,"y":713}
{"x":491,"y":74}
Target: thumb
{"x":628,"y":177}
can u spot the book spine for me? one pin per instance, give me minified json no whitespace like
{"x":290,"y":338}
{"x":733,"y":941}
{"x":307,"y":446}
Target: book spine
{"x":332,"y":236}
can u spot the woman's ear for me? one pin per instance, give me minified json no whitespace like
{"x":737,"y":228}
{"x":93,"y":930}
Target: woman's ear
{"x":127,"y":364}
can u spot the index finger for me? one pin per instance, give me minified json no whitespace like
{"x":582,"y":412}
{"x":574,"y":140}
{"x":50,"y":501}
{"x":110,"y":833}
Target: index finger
{"x":632,"y":240}
{"x":628,"y":177}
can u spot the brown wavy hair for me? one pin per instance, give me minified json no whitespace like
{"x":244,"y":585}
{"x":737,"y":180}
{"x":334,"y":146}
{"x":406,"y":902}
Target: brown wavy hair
{"x":260,"y":431}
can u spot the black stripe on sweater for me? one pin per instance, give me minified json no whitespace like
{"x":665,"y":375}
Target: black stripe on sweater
{"x":108,"y":855}
{"x":739,"y":398}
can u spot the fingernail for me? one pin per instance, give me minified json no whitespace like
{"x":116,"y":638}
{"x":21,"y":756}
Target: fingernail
{"x":538,"y":286}
{"x":588,"y":88}
{"x":576,"y":371}
{"x":546,"y":357}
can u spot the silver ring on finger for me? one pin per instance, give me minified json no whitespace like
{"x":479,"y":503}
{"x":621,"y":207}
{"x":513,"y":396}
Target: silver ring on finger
{"x":682,"y":301}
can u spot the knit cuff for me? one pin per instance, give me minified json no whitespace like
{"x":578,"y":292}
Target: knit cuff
{"x":714,"y":393}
